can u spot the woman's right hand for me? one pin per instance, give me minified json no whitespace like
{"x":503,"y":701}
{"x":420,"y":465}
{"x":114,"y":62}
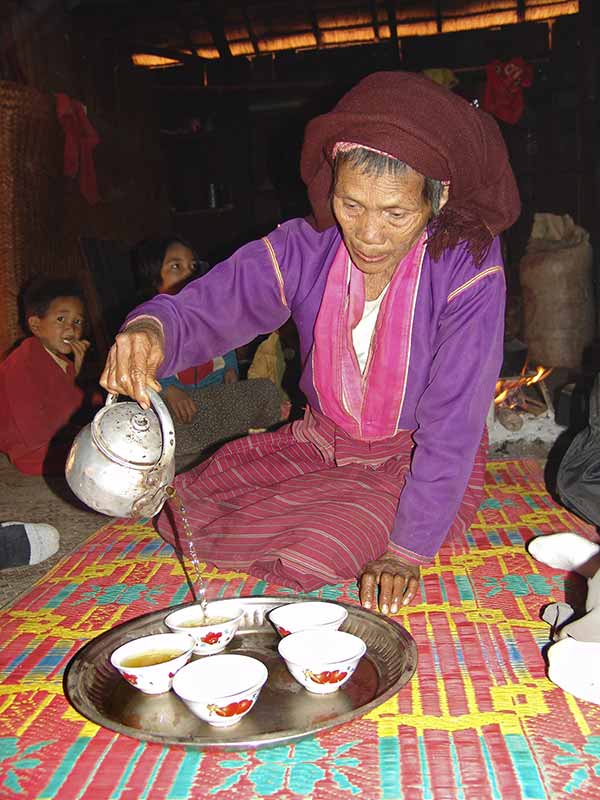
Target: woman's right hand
{"x":180,"y":403}
{"x":132,"y":362}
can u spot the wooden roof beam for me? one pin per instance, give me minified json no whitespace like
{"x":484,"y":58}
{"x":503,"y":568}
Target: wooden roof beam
{"x":250,"y":29}
{"x":390,"y":6}
{"x":314,"y":23}
{"x":186,"y":23}
{"x":373,"y":7}
{"x":216,"y":26}
{"x":439,"y":19}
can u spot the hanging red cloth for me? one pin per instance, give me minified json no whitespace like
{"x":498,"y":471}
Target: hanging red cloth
{"x":80,"y":140}
{"x":504,"y":88}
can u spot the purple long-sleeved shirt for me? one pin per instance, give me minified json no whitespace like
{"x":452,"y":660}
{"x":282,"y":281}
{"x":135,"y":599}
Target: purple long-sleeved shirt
{"x":455,"y":355}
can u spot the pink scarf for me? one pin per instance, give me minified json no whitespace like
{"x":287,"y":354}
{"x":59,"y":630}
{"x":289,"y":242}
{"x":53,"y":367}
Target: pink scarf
{"x":367,"y":405}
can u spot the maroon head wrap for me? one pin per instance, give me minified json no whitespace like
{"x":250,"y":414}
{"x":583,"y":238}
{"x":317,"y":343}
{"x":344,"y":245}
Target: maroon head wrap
{"x":438,"y":134}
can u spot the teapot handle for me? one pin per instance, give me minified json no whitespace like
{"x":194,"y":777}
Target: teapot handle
{"x":167,"y":427}
{"x":166,"y":424}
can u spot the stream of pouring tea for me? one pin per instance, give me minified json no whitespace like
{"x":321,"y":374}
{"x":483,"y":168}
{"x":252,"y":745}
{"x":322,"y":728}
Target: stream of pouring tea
{"x":200,"y":590}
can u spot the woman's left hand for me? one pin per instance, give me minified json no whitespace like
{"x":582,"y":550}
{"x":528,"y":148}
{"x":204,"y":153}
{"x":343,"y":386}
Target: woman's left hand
{"x":230,"y":376}
{"x":395,"y":581}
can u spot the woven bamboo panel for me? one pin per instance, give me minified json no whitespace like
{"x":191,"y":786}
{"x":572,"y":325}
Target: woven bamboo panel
{"x":31,"y":211}
{"x":43,"y":214}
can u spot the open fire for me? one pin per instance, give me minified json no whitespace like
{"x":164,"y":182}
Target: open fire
{"x":514,"y":392}
{"x":522,"y":407}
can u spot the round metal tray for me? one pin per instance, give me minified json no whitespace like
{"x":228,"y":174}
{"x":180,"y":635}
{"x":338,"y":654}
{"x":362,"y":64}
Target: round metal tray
{"x":284,"y":712}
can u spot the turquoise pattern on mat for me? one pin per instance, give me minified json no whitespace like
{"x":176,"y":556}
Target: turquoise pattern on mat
{"x":523,"y":585}
{"x":121,"y":595}
{"x":585,"y":762}
{"x":298,"y":768}
{"x":496,"y":794}
{"x":14,"y":760}
{"x":389,"y":767}
{"x":64,"y":768}
{"x":184,"y":780}
{"x":525,"y":766}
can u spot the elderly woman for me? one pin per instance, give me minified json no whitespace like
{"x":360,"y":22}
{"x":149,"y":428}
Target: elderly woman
{"x":397,"y":289}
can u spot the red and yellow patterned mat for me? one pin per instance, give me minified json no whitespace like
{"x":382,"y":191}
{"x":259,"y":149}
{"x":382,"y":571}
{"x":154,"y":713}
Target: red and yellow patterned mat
{"x":479,"y":720}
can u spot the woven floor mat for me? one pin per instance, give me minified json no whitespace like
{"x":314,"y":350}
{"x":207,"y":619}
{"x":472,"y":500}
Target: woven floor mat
{"x":479,"y":719}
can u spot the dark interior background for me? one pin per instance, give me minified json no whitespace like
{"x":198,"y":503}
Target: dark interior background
{"x":210,"y":148}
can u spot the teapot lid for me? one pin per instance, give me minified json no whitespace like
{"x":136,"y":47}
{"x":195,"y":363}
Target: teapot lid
{"x":127,"y":433}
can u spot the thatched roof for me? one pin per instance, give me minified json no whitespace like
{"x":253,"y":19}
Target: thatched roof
{"x":170,"y":32}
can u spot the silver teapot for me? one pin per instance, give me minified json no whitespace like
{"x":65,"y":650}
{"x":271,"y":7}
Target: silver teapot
{"x":123,"y":461}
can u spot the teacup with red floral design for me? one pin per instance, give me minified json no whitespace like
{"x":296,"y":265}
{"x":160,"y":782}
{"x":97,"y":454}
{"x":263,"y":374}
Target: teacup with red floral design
{"x":222,"y":689}
{"x":213,"y":629}
{"x":322,"y":661}
{"x":150,"y":662}
{"x":306,"y":615}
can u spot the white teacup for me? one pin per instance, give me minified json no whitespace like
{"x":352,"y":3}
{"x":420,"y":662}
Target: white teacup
{"x":150,"y":662}
{"x":221,"y":689}
{"x":211,"y":637}
{"x":321,"y":661}
{"x":302,"y":616}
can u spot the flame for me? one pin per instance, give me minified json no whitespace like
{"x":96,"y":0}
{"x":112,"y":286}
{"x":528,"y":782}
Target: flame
{"x":504,"y":387}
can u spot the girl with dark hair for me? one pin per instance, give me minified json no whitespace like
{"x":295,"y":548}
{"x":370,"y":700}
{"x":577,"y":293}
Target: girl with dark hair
{"x":165,"y":264}
{"x":208,"y":402}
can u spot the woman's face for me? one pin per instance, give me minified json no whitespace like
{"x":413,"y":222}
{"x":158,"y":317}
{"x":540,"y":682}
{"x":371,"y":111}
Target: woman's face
{"x":381,"y":217}
{"x":177,"y":268}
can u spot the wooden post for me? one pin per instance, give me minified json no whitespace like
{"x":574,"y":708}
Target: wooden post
{"x":390,"y":6}
{"x":587,"y":110}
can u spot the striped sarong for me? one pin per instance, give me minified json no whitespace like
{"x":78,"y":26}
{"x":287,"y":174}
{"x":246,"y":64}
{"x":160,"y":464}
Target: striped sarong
{"x":303,"y":506}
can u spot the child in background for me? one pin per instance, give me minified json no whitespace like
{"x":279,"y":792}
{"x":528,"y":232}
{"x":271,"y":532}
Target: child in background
{"x":41,"y":405}
{"x":164,"y":266}
{"x":208,"y":402}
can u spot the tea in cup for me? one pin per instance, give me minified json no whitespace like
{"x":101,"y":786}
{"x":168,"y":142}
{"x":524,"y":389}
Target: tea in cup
{"x":212,"y":629}
{"x":150,"y":662}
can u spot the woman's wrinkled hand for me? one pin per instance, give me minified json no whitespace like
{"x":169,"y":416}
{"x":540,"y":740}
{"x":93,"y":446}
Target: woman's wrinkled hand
{"x":133,"y":360}
{"x":388,"y":583}
{"x":180,"y":403}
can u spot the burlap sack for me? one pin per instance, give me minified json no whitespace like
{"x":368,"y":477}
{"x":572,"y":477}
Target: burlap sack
{"x":558,"y":296}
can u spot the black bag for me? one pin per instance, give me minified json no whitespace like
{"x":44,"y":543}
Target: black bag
{"x":578,"y":479}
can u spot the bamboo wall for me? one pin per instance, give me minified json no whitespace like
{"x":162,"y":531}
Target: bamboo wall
{"x":43,"y":213}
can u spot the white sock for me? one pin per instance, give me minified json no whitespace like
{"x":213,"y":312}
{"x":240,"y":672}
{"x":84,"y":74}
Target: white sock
{"x":43,"y":542}
{"x":585,"y":629}
{"x":573,"y":666}
{"x":567,"y":551}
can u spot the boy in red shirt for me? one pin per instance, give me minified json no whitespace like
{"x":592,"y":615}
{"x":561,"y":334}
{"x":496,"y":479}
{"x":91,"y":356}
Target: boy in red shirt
{"x":42,"y":407}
